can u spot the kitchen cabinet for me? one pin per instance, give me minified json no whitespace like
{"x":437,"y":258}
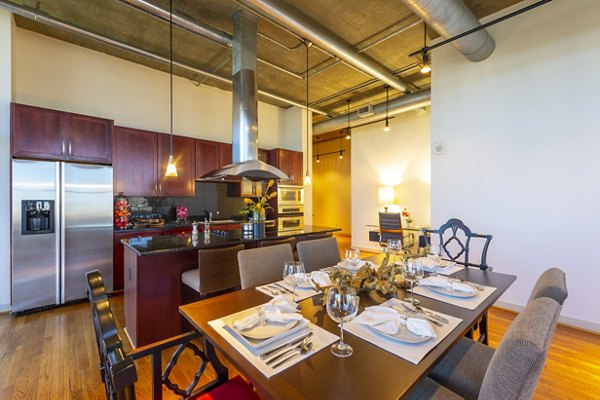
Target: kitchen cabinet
{"x":290,"y":162}
{"x":135,"y":165}
{"x":184,"y":153}
{"x":211,"y":156}
{"x":46,"y":134}
{"x":118,"y":261}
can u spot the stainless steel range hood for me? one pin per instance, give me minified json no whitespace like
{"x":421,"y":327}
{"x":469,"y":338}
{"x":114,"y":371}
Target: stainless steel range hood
{"x":245,"y":106}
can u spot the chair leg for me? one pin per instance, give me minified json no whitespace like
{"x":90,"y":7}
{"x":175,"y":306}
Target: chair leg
{"x":483,"y":330}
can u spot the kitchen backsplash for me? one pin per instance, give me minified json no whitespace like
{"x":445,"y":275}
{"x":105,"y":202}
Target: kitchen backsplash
{"x":209,"y":197}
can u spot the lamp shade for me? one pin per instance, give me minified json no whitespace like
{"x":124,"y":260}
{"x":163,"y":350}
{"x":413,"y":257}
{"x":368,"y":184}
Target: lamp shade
{"x":386,"y":195}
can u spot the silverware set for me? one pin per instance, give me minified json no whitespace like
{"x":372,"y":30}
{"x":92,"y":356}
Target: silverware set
{"x":428,"y":315}
{"x":288,"y":351}
{"x":276,"y":289}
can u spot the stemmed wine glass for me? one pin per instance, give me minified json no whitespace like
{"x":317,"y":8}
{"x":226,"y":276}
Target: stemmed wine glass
{"x":294,"y":274}
{"x":412,"y":272}
{"x":342,"y":306}
{"x":352,"y":256}
{"x":394,"y":246}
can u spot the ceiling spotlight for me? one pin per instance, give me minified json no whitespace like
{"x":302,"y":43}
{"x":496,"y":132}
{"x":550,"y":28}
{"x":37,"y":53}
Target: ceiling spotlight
{"x":341,"y":155}
{"x":387,"y":103}
{"x":387,"y":125}
{"x":348,"y":136}
{"x":318,"y":158}
{"x":426,"y":66}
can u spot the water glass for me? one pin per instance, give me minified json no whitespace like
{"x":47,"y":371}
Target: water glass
{"x":342,"y":306}
{"x":412,"y":272}
{"x":352,"y":256}
{"x":294,"y":274}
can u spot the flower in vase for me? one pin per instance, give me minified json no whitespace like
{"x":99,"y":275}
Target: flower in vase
{"x":407,"y":216}
{"x":258,"y":205}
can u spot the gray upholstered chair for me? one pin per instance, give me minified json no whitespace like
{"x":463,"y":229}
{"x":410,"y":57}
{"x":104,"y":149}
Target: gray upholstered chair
{"x":474,"y":371}
{"x":552,"y":283}
{"x":263,"y":264}
{"x":272,"y":242}
{"x":217,"y":273}
{"x":317,"y":254}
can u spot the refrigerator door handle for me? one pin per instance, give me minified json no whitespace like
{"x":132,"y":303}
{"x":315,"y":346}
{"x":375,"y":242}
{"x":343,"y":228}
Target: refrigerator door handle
{"x":63,"y":147}
{"x":61,"y":237}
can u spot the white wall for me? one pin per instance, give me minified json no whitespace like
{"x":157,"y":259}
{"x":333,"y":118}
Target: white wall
{"x":5,"y":96}
{"x":521,"y":130}
{"x":398,"y":158}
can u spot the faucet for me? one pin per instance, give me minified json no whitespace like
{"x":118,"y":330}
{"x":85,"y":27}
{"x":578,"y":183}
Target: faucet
{"x":209,"y":215}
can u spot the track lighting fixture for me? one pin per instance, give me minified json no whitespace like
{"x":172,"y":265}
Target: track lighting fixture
{"x":387,"y":102}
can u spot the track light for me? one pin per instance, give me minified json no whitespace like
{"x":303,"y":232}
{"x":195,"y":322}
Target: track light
{"x":318,"y":158}
{"x":387,"y":102}
{"x":387,"y":125}
{"x":341,"y":155}
{"x":348,"y":135}
{"x":426,"y":66}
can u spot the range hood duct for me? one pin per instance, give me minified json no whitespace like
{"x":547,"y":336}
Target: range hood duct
{"x":450,"y":18}
{"x":245,"y":105}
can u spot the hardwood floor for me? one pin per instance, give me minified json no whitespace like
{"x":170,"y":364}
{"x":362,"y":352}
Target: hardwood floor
{"x":52,"y":355}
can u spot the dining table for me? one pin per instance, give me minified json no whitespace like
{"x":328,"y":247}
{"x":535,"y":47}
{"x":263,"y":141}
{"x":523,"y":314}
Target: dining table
{"x":370,"y":372}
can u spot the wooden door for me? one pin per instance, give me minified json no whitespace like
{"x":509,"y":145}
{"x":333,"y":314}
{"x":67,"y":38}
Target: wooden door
{"x":135,"y":164}
{"x":207,"y":157}
{"x":89,"y":139}
{"x":38,"y":132}
{"x":184,"y":153}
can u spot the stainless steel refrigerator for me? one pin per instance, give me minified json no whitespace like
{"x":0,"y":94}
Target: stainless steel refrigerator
{"x":61,"y":228}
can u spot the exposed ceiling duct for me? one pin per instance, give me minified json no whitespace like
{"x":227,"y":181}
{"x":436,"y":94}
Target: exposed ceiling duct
{"x":300,"y":24}
{"x":399,"y":105}
{"x":245,"y":105}
{"x":41,"y":17}
{"x":450,"y":18}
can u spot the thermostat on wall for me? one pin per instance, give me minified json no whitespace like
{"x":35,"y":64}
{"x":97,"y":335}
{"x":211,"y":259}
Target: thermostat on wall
{"x":438,"y":148}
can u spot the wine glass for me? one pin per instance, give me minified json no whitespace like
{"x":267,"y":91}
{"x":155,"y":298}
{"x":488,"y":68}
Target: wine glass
{"x":342,"y":306}
{"x":394,"y":246}
{"x":352,"y":256}
{"x":294,"y":274}
{"x":412,"y":272}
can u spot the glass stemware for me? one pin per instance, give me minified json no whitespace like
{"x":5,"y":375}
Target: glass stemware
{"x":393,"y":247}
{"x":352,"y":256}
{"x":412,"y":272}
{"x":294,"y":274}
{"x":342,"y":306}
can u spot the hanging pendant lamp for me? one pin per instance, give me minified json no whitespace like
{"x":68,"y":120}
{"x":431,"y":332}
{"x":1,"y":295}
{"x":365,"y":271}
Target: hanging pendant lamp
{"x":387,"y":101}
{"x":348,"y":135}
{"x":171,"y":167}
{"x":426,"y":65}
{"x":307,"y":180}
{"x":341,"y":146}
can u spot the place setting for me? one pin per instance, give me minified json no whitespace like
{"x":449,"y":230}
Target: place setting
{"x":296,"y":283}
{"x":453,"y":291}
{"x":273,"y":336}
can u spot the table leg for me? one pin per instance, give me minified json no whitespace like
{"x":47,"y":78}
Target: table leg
{"x":220,"y":369}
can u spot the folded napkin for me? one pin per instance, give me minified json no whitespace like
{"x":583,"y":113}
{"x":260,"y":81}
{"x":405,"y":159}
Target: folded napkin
{"x":279,"y":309}
{"x":443,"y":283}
{"x":321,"y":278}
{"x":351,"y":265}
{"x":389,"y":321}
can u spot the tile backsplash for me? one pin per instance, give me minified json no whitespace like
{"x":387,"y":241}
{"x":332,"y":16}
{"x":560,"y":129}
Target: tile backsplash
{"x":209,"y":197}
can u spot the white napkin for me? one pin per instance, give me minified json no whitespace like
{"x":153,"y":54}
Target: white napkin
{"x":321,"y":278}
{"x":350,"y":265}
{"x":389,"y":321}
{"x":279,"y":309}
{"x":443,"y":283}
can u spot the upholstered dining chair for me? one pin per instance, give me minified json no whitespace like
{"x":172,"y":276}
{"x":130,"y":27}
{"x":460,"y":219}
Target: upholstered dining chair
{"x":263,"y":264}
{"x":390,"y":227}
{"x":272,"y":242}
{"x":217,"y":273}
{"x":317,"y":254}
{"x":474,"y":371}
{"x":552,"y":283}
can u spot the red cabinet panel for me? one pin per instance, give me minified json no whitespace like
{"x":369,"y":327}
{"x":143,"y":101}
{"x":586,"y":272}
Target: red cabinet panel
{"x":135,"y":165}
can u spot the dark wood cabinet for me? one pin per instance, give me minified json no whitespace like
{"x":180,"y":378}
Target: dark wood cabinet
{"x":211,"y":156}
{"x":89,"y":139}
{"x":225,"y":155}
{"x":38,"y":132}
{"x":135,"y":166}
{"x":183,"y":153}
{"x":42,"y":133}
{"x":118,"y":261}
{"x":290,"y":162}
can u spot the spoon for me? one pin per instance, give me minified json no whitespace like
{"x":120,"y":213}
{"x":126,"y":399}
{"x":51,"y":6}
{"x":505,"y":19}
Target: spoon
{"x":299,"y":346}
{"x":303,"y":350}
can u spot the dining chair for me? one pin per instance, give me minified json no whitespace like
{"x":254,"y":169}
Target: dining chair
{"x":474,"y":371}
{"x":263,"y":264}
{"x":217,"y":272}
{"x":552,"y":283}
{"x":455,"y":243}
{"x":273,"y":242}
{"x":317,"y":254}
{"x":390,"y":227}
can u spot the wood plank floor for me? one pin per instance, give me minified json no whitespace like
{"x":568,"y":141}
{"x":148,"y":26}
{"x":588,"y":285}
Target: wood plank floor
{"x":52,"y":355}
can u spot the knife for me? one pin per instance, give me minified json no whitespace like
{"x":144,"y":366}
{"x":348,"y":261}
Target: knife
{"x":295,"y":342}
{"x":425,"y":316}
{"x":282,"y":287}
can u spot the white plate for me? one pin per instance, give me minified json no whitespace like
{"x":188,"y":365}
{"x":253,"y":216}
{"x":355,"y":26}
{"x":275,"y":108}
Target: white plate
{"x":269,"y":330}
{"x":454,"y":293}
{"x":353,"y":268}
{"x":403,"y":335}
{"x":258,"y":343}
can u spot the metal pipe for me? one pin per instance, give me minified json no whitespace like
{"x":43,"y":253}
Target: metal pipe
{"x":288,"y":17}
{"x":38,"y":16}
{"x":399,"y":105}
{"x":450,"y":18}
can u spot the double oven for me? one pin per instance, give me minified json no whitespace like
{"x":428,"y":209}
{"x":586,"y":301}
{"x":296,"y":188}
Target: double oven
{"x":290,"y":209}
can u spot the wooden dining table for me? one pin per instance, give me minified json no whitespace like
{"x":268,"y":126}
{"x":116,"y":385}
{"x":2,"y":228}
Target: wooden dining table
{"x":370,"y":373}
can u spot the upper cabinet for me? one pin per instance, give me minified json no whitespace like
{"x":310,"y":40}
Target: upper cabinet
{"x":184,"y":154}
{"x":290,"y":162}
{"x":211,"y":156}
{"x":55,"y":135}
{"x":135,"y":166}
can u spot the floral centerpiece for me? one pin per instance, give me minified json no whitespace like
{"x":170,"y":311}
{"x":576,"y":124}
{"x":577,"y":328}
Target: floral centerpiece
{"x":407,"y":216}
{"x":258,"y":205}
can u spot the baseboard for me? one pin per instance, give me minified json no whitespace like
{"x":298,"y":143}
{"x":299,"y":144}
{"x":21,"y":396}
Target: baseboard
{"x":563,"y":319}
{"x":5,"y":308}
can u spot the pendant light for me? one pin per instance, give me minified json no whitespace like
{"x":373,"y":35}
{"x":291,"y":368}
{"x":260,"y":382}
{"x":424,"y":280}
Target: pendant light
{"x":307,"y":180}
{"x":387,"y":101}
{"x":341,"y":144}
{"x":426,"y":65}
{"x":318,"y":155}
{"x":171,"y":167}
{"x":348,"y":135}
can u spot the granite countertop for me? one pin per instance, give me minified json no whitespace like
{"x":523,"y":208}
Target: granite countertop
{"x":168,"y":244}
{"x":175,"y":225}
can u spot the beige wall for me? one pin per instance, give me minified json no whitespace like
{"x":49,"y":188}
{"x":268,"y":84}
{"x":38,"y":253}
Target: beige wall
{"x":331,"y":186}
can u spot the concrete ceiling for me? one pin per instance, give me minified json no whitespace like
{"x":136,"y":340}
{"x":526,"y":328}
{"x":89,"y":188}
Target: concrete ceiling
{"x":359,"y":22}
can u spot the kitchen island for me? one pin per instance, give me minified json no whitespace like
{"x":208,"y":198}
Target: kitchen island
{"x":153,"y":268}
